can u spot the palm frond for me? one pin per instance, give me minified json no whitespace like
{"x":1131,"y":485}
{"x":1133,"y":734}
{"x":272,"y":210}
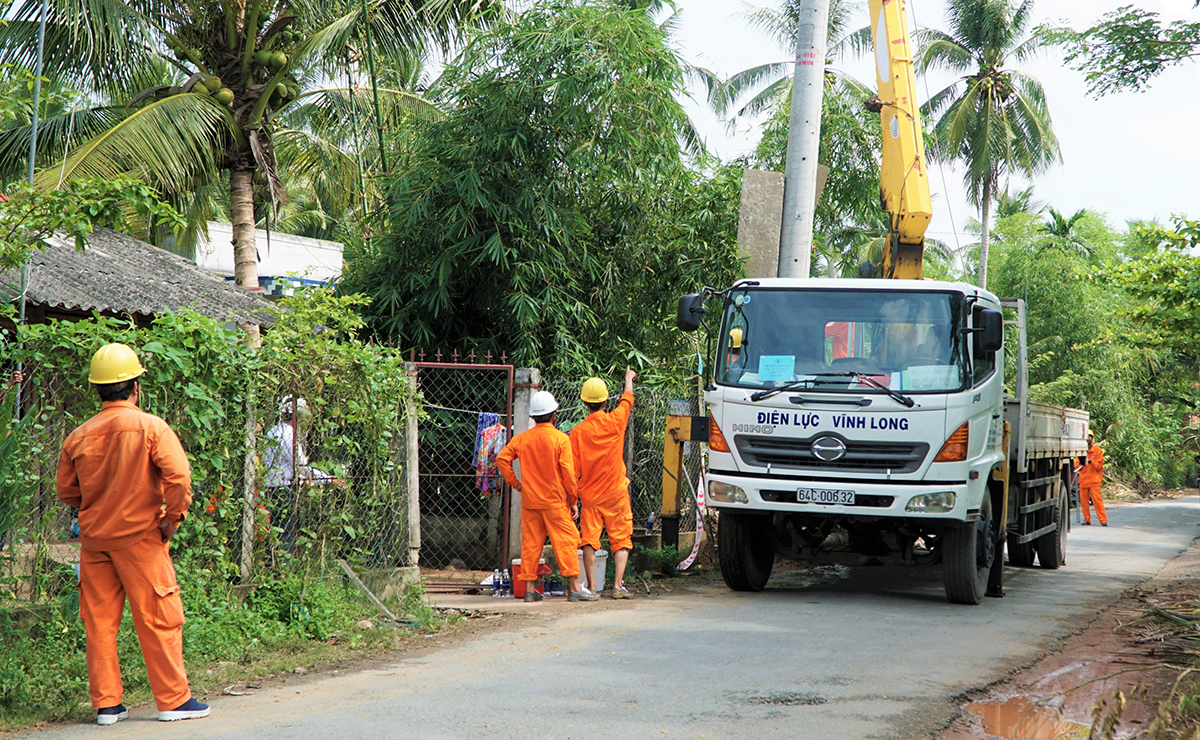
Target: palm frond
{"x":744,"y":83}
{"x":55,"y":135}
{"x":856,"y":43}
{"x":109,"y":33}
{"x":170,"y":142}
{"x":943,"y":52}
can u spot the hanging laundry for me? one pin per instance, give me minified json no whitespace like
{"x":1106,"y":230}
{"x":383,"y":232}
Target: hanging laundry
{"x":490,"y":438}
{"x":486,"y":419}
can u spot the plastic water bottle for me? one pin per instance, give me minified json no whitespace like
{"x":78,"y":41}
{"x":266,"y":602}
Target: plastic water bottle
{"x":650,"y":524}
{"x":506,"y":589}
{"x":496,"y":584}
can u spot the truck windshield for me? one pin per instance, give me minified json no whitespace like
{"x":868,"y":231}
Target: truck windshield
{"x":905,"y":340}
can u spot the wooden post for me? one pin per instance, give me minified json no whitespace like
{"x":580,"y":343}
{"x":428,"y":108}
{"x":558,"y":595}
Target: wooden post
{"x":412,"y":471}
{"x":248,"y":488}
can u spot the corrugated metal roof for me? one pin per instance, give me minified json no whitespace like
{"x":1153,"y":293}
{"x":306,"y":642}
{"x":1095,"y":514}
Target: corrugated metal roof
{"x":122,"y":275}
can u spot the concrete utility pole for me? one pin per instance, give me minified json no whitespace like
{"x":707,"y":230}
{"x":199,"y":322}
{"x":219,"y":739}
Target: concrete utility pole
{"x":804,"y":139}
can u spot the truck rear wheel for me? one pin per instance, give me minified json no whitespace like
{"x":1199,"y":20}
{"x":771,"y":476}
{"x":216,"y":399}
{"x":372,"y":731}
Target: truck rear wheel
{"x":744,"y":549}
{"x":1052,"y":546}
{"x":967,"y":556}
{"x":1020,"y":554}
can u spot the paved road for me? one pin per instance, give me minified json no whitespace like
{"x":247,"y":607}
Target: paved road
{"x":869,"y":652}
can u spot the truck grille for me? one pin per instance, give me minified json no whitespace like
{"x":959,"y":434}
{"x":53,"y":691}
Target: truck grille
{"x":797,"y":454}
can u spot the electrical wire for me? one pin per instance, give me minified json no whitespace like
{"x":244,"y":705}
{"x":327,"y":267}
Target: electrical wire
{"x":937,"y":146}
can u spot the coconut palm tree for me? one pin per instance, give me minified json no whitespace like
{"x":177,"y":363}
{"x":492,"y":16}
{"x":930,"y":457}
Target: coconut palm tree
{"x":1060,"y":232}
{"x":994,"y":118}
{"x":198,"y":88}
{"x":1009,"y":203}
{"x":765,"y":85}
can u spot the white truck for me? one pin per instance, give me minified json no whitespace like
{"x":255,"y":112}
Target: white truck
{"x":859,"y":421}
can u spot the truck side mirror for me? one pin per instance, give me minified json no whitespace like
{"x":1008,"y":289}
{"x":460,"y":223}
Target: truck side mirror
{"x":691,"y":308}
{"x":991,"y":336}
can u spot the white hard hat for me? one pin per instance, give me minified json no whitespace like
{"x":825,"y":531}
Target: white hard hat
{"x":286,"y":406}
{"x":542,"y":403}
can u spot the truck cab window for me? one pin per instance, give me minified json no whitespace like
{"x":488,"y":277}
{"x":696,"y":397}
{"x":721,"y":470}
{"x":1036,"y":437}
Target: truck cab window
{"x":983,"y":364}
{"x":903,"y":340}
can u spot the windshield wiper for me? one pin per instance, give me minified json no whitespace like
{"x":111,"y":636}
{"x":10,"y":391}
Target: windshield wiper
{"x":792,"y":386}
{"x":871,"y":381}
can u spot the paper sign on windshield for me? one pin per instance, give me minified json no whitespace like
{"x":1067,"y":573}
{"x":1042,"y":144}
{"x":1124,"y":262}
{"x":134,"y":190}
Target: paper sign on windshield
{"x":776,"y":368}
{"x":931,"y":378}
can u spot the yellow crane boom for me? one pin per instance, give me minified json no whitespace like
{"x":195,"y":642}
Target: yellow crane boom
{"x":903,"y":179}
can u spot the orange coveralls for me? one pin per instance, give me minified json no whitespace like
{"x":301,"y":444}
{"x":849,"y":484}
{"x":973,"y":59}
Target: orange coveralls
{"x":839,"y":332}
{"x":548,"y":490}
{"x":1089,"y":484}
{"x":125,"y":470}
{"x":598,"y":446}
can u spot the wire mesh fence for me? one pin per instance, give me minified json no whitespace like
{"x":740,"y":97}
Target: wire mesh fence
{"x":299,"y":464}
{"x":291,"y":471}
{"x":327,"y":485}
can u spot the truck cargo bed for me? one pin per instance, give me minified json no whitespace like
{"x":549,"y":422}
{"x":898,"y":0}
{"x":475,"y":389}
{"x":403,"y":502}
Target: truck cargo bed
{"x":1041,"y":430}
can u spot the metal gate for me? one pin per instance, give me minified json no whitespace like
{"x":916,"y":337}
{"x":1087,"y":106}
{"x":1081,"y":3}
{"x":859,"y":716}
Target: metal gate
{"x":464,"y":508}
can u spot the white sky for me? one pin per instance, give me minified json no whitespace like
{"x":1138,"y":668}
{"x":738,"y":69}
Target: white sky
{"x":1130,"y":155}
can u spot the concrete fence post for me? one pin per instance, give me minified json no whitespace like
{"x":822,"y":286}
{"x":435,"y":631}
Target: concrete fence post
{"x":412,"y":470}
{"x":629,"y":444}
{"x":526,"y":382}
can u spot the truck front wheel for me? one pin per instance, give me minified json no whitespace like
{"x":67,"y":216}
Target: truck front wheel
{"x":967,"y":556}
{"x":745,"y":550}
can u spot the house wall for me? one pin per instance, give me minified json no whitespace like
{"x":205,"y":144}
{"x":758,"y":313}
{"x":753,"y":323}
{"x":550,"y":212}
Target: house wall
{"x":282,"y":255}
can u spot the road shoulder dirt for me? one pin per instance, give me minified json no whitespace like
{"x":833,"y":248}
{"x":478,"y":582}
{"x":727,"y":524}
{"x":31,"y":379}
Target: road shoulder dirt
{"x":1119,"y":666}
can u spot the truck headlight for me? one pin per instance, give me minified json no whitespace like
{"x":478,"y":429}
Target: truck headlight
{"x":932,"y":503}
{"x":725,"y":493}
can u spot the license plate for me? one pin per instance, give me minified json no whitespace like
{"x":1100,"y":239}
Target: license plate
{"x":824,"y":496}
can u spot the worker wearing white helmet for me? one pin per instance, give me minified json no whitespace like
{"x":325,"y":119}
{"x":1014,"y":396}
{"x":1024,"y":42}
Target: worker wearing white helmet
{"x":287,"y":467}
{"x":549,"y":496}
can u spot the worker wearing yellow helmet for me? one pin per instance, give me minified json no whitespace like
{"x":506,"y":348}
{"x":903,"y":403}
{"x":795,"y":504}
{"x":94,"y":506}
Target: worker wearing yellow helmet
{"x":598,"y":446}
{"x":127,"y":474}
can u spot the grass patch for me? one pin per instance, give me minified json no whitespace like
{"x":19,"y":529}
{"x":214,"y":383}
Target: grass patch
{"x":283,"y":625}
{"x":653,"y":561}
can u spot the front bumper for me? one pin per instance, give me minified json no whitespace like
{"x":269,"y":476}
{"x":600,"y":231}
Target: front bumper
{"x":882,"y":499}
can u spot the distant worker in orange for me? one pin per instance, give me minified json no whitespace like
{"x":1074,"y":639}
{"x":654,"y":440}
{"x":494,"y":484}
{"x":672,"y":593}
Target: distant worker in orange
{"x":127,"y":474}
{"x":1090,"y":474}
{"x":598,"y":445}
{"x":549,"y":496}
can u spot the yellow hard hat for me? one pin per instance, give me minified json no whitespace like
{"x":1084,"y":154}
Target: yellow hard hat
{"x":595,"y":390}
{"x":115,"y":363}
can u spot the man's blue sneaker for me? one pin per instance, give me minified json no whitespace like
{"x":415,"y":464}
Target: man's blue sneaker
{"x":191,"y":709}
{"x":111,"y":715}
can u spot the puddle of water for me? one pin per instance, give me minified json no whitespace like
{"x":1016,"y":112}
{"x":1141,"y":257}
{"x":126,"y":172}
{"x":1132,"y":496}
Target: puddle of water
{"x":1020,"y":719}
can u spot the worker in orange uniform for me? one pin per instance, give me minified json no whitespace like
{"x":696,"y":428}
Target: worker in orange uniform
{"x":598,"y":445}
{"x":549,"y":496}
{"x":1090,"y":474}
{"x":126,"y":473}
